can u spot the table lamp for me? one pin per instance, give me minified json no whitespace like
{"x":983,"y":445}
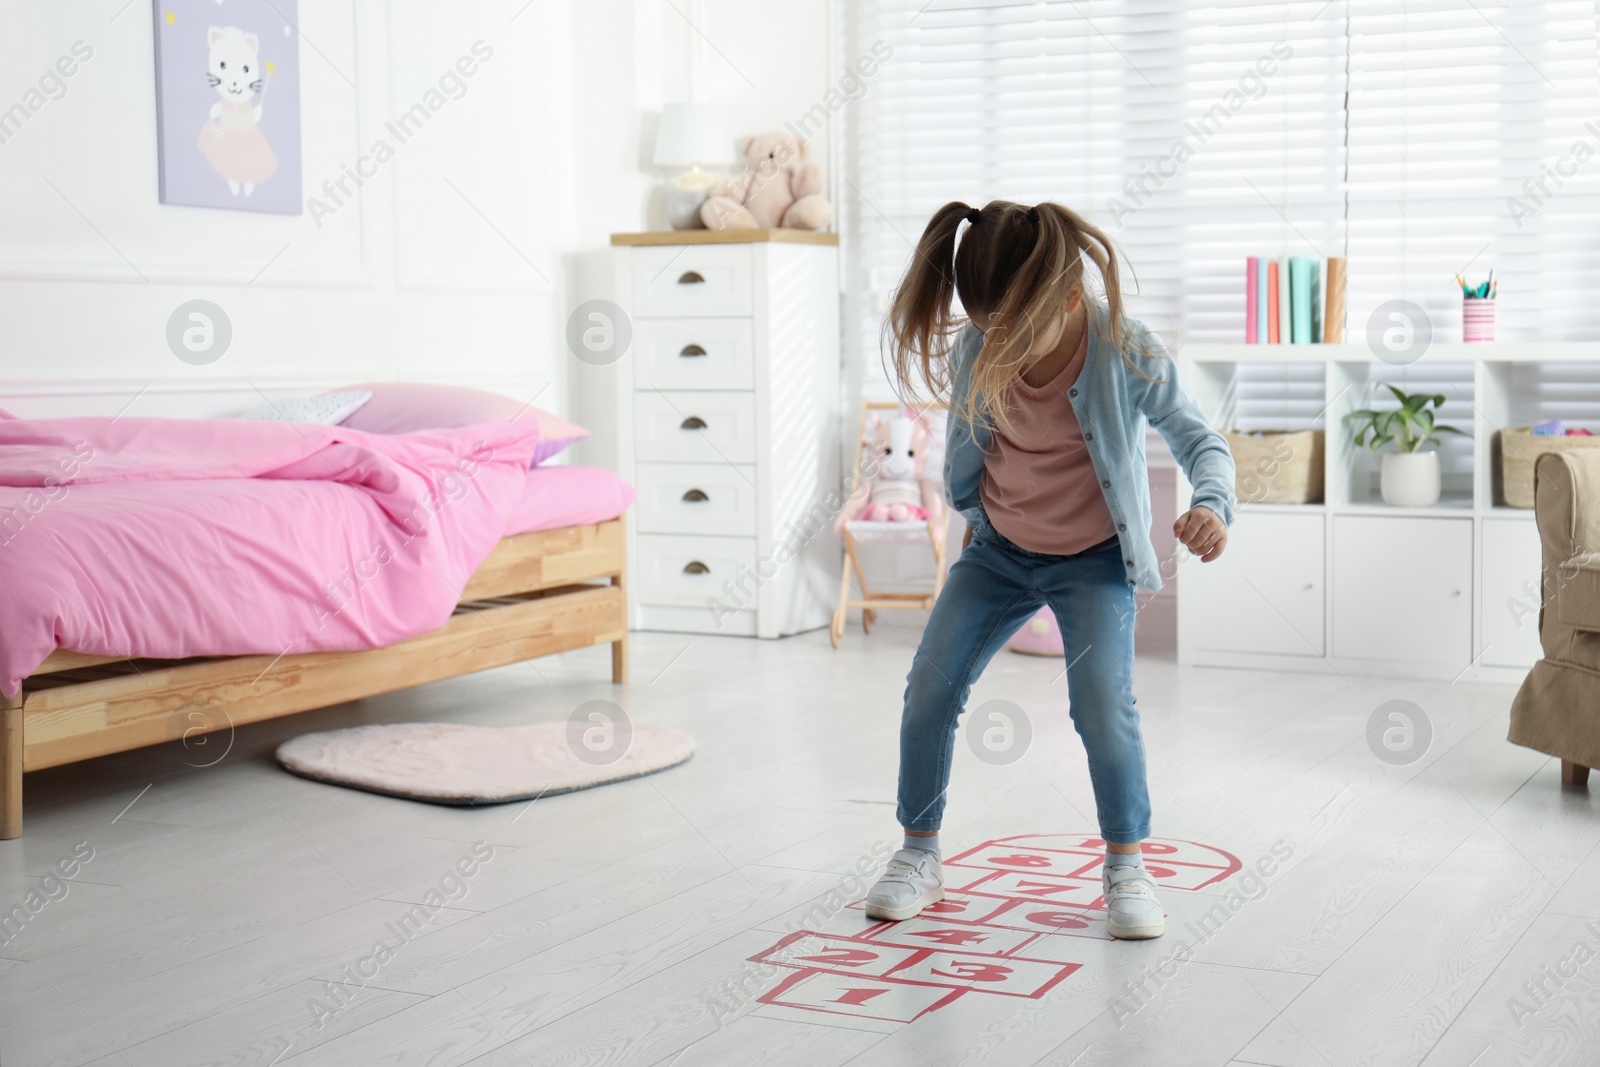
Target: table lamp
{"x":691,"y":135}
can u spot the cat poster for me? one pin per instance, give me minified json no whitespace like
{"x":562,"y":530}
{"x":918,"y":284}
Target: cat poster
{"x":228,"y":104}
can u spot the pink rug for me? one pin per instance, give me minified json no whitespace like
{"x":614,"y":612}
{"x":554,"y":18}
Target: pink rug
{"x":447,"y":763}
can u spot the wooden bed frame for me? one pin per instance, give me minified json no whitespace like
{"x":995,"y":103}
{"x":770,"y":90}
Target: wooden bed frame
{"x":536,"y":595}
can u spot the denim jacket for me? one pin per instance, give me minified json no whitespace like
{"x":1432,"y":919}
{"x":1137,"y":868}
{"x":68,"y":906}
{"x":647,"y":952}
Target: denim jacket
{"x":1112,"y":403}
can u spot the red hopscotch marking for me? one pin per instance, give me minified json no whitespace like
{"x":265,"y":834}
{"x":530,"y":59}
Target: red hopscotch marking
{"x":898,"y":1002}
{"x":868,"y":975}
{"x":1064,"y":920}
{"x":1021,"y":860}
{"x":842,"y":957}
{"x":1173,"y":853}
{"x":1063,"y":893}
{"x":925,"y":932}
{"x":958,"y":938}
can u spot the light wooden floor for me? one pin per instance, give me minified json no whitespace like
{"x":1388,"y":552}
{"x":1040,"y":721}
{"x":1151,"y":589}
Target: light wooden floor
{"x":613,"y":926}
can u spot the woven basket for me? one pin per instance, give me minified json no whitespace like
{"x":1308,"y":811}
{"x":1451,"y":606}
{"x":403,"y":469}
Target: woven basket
{"x":1277,"y":466}
{"x":1518,"y":449}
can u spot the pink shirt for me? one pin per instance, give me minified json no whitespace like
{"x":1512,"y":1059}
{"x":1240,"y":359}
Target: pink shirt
{"x":1039,"y":487}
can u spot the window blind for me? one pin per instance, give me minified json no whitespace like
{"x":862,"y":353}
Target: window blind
{"x":1196,"y":134}
{"x":1538,"y":392}
{"x":1463,"y":117}
{"x":1274,"y":396}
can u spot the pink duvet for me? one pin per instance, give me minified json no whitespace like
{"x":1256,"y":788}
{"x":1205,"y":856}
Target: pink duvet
{"x":170,"y":538}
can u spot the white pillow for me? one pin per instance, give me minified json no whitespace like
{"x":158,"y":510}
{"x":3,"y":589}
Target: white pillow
{"x":329,"y":409}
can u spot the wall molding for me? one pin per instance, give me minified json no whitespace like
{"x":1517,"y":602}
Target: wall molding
{"x":214,"y":398}
{"x":13,"y":271}
{"x":116,"y":269}
{"x":181,"y":387}
{"x":471,"y":284}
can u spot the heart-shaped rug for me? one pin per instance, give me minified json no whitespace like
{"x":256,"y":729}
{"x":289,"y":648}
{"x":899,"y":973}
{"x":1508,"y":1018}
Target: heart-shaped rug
{"x":451,"y":763}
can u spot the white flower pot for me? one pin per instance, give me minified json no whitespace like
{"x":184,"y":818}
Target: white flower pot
{"x":1410,"y":479}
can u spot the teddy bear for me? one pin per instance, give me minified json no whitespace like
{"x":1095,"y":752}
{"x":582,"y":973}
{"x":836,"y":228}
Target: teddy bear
{"x":898,"y":488}
{"x":779,"y":187}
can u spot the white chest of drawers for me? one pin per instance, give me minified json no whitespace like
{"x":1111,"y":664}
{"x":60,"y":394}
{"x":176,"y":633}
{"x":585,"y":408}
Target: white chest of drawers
{"x":723,"y":411}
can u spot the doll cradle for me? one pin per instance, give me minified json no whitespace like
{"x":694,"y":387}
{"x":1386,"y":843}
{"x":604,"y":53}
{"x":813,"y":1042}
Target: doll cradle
{"x":930,"y":531}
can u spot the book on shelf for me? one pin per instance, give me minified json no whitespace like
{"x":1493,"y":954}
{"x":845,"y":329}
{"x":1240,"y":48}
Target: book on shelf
{"x":1333,"y":320}
{"x":1301,"y":274}
{"x":1274,"y":323}
{"x":1252,"y":286}
{"x":1261,"y":307}
{"x":1285,"y":308}
{"x":1319,"y":283}
{"x":1295,"y":300}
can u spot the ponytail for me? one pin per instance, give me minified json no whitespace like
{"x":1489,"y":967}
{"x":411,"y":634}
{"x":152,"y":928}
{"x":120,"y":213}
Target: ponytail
{"x":921,"y":328}
{"x":1019,"y":266}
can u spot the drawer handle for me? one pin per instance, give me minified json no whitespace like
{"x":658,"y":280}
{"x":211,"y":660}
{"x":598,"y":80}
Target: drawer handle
{"x":693,"y":422}
{"x":694,"y":496}
{"x":692,"y":350}
{"x":694,"y":566}
{"x":691,"y":277}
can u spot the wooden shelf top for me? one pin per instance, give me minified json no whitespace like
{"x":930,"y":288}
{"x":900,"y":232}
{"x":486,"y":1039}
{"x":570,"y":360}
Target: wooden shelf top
{"x":725,"y":237}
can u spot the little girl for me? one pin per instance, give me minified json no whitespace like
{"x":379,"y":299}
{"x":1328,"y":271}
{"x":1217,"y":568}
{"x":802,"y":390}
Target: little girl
{"x":1049,"y":392}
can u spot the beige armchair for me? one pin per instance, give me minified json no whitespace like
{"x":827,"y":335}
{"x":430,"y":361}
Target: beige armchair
{"x":1557,"y":709}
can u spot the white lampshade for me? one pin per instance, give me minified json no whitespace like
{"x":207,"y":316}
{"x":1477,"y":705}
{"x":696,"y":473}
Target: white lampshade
{"x":691,"y":134}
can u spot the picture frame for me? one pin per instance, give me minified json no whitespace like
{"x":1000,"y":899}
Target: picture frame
{"x":228,"y":104}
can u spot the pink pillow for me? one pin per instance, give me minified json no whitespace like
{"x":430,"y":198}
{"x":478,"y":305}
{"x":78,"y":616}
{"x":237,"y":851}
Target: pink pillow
{"x":404,"y":407}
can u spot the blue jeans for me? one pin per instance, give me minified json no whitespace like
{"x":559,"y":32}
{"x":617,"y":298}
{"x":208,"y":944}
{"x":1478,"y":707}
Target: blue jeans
{"x":992,"y":590}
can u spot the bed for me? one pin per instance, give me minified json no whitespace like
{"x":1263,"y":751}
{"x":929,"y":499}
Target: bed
{"x":530,"y":563}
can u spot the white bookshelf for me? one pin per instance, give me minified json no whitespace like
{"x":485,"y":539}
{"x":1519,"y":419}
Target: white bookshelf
{"x":1353,"y":585}
{"x":1439,"y":351}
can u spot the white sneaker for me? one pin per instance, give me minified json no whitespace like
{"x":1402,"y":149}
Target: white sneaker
{"x":909,"y":884}
{"x":1131,"y":905}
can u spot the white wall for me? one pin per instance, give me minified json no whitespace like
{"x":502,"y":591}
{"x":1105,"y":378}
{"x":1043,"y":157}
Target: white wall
{"x":766,"y":63}
{"x":454,"y":263}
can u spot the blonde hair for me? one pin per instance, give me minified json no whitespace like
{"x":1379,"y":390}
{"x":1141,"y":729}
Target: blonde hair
{"x":1017,"y":265}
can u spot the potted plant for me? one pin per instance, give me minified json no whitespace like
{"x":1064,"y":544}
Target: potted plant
{"x":1410,"y":477}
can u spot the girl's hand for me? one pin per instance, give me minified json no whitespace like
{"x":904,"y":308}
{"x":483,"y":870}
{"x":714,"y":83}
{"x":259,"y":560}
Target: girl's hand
{"x":1202,"y":532}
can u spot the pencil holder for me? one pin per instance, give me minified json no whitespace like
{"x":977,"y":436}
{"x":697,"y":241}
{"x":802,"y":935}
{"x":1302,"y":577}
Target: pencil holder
{"x":1477,"y":318}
